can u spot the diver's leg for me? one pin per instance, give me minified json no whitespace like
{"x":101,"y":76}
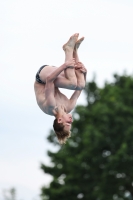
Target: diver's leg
{"x":68,"y":78}
{"x":79,"y":70}
{"x":68,"y":49}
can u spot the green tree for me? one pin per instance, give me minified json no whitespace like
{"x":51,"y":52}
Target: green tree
{"x":97,"y":161}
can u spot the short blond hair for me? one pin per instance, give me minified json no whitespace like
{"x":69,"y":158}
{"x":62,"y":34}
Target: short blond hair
{"x":62,"y":135}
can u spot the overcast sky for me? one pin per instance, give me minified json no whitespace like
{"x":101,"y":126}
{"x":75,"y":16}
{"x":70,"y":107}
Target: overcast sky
{"x":32,"y":33}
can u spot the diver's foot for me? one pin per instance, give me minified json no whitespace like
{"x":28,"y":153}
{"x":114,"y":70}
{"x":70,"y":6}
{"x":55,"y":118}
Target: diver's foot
{"x":78,"y":43}
{"x":71,"y":42}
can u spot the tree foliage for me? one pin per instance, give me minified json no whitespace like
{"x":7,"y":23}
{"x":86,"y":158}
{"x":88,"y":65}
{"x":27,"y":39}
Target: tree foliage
{"x":97,"y":161}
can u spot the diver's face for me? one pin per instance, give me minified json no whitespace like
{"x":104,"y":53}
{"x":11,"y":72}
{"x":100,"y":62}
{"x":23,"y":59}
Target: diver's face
{"x":66,"y":119}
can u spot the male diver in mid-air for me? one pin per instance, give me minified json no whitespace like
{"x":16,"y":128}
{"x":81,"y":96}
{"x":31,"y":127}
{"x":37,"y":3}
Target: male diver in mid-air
{"x":70,"y":75}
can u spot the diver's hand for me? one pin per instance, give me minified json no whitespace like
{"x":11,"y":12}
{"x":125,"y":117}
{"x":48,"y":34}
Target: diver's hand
{"x":70,"y":63}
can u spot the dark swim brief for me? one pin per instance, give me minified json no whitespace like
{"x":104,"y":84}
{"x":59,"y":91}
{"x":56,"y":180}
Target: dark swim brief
{"x":37,"y":75}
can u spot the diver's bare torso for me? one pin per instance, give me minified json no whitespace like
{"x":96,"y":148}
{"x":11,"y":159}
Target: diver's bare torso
{"x":59,"y":99}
